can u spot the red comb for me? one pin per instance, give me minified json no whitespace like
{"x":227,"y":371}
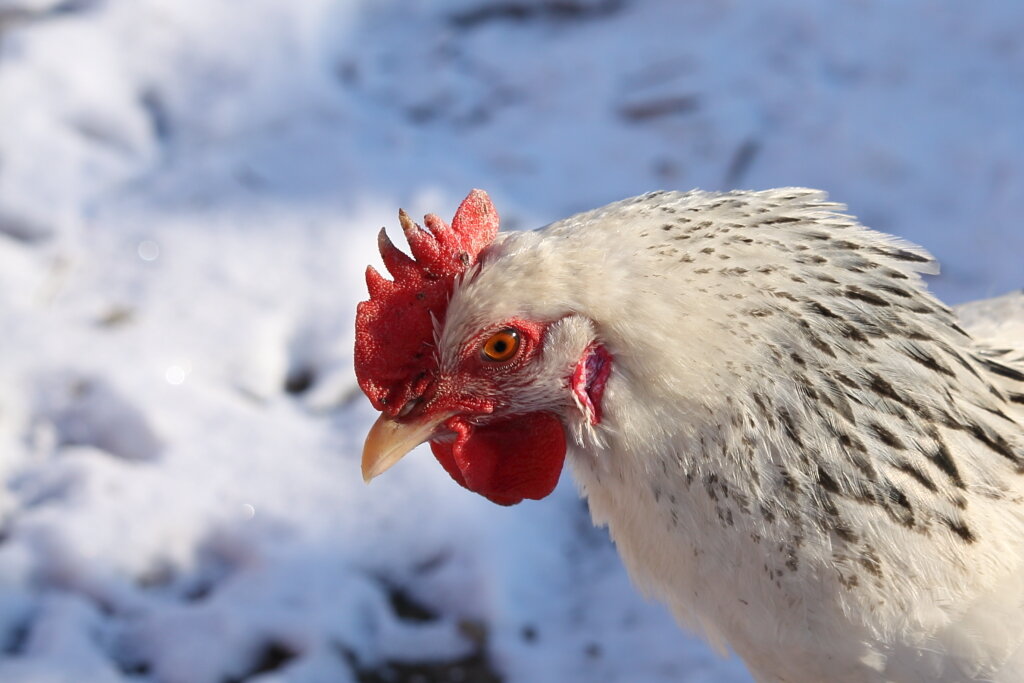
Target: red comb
{"x":394,"y":356}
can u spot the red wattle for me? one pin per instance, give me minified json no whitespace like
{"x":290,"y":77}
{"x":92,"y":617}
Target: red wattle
{"x":508,"y":460}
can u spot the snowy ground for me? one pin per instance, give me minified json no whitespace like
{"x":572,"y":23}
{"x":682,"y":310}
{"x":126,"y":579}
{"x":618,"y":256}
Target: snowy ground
{"x":189,"y":191}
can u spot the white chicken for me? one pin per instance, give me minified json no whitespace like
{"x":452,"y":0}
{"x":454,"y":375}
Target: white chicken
{"x":793,"y":444}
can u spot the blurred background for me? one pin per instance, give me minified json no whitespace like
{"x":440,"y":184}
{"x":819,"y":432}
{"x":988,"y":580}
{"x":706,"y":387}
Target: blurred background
{"x":189,"y":193}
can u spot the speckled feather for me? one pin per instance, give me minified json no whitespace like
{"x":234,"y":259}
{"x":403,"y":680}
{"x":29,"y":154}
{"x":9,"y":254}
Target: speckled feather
{"x":802,"y":452}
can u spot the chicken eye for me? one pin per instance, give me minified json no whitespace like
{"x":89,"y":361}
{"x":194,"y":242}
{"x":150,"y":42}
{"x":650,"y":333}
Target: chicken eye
{"x":501,"y":346}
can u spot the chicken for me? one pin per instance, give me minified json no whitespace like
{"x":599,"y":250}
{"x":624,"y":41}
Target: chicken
{"x":793,"y":444}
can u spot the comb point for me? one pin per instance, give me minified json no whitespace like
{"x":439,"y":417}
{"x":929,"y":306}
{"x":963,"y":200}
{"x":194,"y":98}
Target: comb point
{"x":476,"y":218}
{"x":395,"y":260}
{"x":376,"y":283}
{"x":438,"y":227}
{"x":407,"y":223}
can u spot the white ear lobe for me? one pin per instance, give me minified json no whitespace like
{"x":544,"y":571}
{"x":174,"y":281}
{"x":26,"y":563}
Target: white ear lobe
{"x":566,"y":341}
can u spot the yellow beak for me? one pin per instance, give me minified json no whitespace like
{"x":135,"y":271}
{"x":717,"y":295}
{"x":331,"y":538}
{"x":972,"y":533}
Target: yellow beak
{"x":390,"y":439}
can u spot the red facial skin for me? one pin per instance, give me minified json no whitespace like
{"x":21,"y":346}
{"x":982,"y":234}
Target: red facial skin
{"x":504,"y":458}
{"x":509,"y":458}
{"x":394,"y":328}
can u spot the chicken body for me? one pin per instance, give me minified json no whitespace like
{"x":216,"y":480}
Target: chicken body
{"x":798,"y":449}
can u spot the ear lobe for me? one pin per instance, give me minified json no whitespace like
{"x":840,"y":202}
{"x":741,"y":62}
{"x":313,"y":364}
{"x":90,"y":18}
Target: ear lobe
{"x":508,"y":460}
{"x":589,"y":379}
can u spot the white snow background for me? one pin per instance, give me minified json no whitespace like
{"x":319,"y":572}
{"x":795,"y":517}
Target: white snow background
{"x":189,"y":192}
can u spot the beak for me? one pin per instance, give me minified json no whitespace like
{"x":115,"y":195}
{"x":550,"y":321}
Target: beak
{"x":390,"y":439}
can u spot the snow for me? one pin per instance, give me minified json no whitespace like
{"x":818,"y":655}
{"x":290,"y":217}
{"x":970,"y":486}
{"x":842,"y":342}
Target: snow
{"x":189,"y":193}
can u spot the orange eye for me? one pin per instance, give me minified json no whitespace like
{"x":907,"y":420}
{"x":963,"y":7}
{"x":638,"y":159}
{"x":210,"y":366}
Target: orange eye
{"x":501,"y":346}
